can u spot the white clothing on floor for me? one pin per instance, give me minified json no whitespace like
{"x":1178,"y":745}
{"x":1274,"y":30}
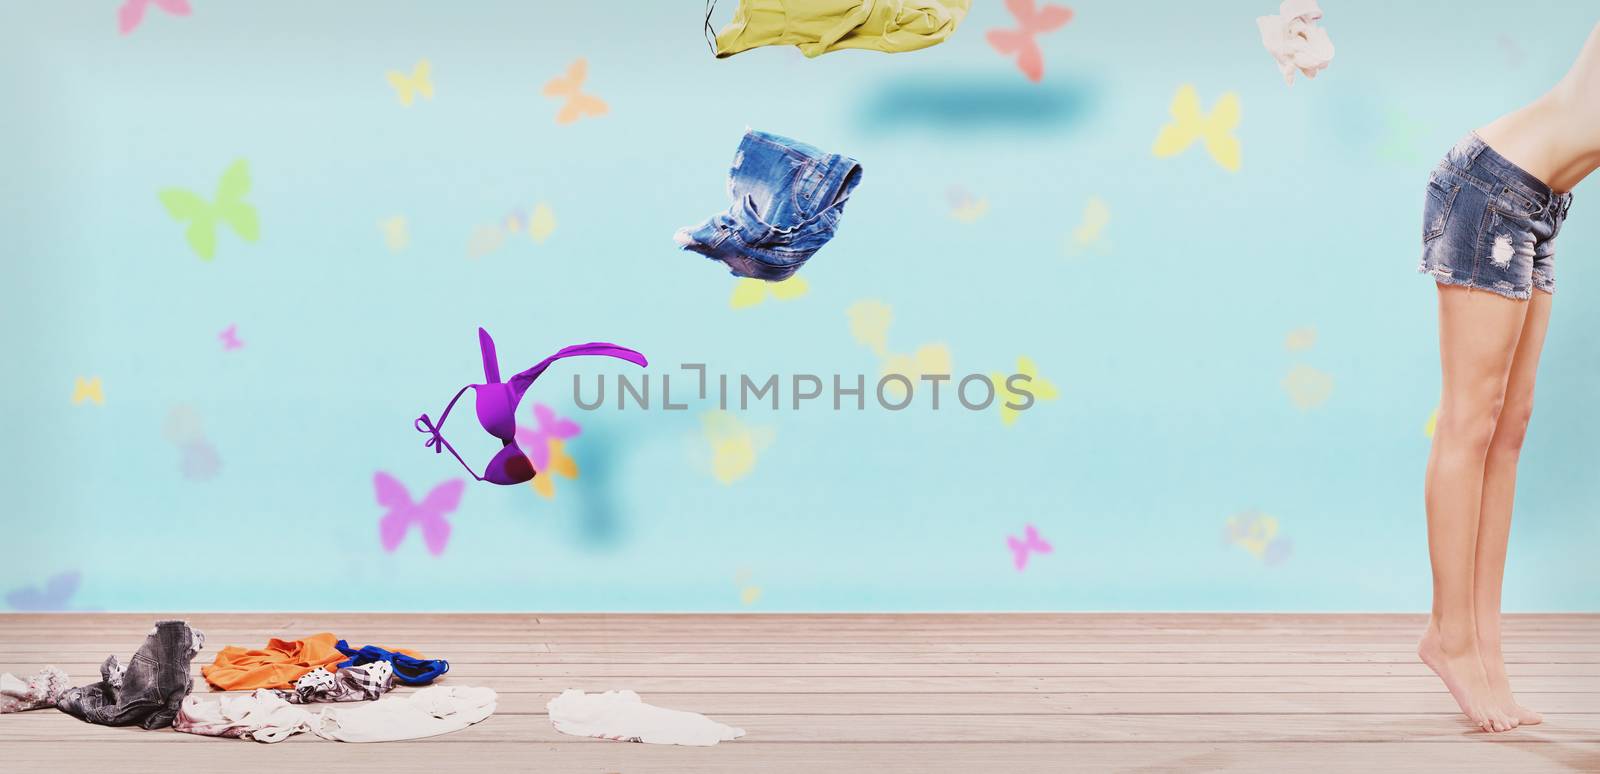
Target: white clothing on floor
{"x":431,"y":711}
{"x":263,"y":716}
{"x":40,"y":691}
{"x":623,"y":716}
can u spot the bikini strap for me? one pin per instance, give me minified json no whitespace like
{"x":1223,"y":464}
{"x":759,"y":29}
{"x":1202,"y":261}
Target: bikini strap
{"x":522,"y":381}
{"x":491,"y":363}
{"x":435,"y":440}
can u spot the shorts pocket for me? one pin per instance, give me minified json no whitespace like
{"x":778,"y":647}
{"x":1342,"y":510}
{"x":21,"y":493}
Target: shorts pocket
{"x":1513,"y":204}
{"x":1436,"y":207}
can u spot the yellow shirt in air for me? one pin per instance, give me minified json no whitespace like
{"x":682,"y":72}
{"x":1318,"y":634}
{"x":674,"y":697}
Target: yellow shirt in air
{"x":819,"y":26}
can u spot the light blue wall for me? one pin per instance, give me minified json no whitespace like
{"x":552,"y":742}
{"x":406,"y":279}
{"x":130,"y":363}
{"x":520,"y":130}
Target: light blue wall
{"x":1168,"y":347}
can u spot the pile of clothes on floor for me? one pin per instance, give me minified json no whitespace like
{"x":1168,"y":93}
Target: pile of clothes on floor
{"x":153,"y":691}
{"x":285,"y":677}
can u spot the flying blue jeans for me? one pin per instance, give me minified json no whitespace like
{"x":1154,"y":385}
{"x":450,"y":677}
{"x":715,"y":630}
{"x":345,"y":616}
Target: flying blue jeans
{"x":787,"y":197}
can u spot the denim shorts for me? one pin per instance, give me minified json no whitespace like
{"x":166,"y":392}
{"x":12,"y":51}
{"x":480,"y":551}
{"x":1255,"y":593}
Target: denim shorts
{"x":149,"y":691}
{"x":1489,"y":224}
{"x":787,"y":198}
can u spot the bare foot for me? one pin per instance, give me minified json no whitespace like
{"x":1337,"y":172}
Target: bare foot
{"x":1494,"y":668}
{"x":1462,"y":673}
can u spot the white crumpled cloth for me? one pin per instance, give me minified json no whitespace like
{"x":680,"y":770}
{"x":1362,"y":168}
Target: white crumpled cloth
{"x":263,"y":716}
{"x":40,"y":691}
{"x":623,"y":716}
{"x":1294,"y":39}
{"x":431,"y":711}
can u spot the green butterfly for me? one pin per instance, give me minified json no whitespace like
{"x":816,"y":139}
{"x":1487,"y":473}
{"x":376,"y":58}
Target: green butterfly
{"x":202,"y":216}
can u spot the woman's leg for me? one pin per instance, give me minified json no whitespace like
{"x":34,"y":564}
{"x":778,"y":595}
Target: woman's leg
{"x":1478,"y":334}
{"x":1499,"y":486}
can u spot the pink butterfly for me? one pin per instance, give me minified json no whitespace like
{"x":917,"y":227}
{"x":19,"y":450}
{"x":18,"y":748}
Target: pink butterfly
{"x":132,"y":11}
{"x":536,"y":442}
{"x":230,"y":337}
{"x":1020,"y":548}
{"x":428,"y":514}
{"x":1032,"y":21}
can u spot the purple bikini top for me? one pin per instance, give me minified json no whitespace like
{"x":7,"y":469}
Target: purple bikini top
{"x":497,"y":408}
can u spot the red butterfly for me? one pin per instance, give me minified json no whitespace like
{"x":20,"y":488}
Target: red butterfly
{"x":1032,"y":21}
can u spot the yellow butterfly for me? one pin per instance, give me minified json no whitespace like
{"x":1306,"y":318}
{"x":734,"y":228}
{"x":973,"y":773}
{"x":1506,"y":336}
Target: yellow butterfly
{"x":869,"y":324}
{"x":577,"y":103}
{"x":542,"y":223}
{"x":1433,"y":422}
{"x":928,"y":359}
{"x":734,"y":445}
{"x":395,"y":233}
{"x":485,"y":240}
{"x":964,"y":208}
{"x":409,"y":87}
{"x":87,"y":389}
{"x":748,"y":292}
{"x":1189,"y":124}
{"x":749,"y":594}
{"x":1091,"y":232}
{"x":1300,"y":339}
{"x":1252,"y":531}
{"x":971,"y":212}
{"x":1039,"y":387}
{"x":559,"y":465}
{"x":1307,"y":386}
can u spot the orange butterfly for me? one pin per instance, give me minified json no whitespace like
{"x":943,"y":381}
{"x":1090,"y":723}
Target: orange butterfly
{"x":578,"y":104}
{"x":559,"y":464}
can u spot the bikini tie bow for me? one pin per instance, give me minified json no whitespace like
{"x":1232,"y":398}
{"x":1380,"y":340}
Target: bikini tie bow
{"x":435,"y":441}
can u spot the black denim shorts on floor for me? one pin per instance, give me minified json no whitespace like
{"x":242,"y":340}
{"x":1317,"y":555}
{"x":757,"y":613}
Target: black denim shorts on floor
{"x":149,"y":691}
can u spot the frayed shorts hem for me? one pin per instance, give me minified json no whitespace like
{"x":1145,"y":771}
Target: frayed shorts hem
{"x":1443,"y":276}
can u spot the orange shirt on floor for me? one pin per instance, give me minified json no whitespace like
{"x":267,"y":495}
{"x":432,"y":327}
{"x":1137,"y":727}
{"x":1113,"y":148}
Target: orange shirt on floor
{"x":277,"y":665}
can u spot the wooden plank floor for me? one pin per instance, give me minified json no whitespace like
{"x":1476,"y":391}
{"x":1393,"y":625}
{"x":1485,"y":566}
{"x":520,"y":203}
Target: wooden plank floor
{"x":884,"y":693}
